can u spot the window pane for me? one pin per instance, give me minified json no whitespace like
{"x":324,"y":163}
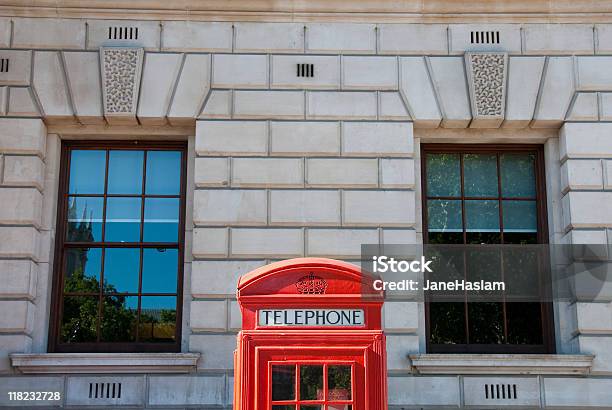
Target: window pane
{"x":520,"y":216}
{"x":157,"y":319}
{"x":119,"y":318}
{"x":84,"y":219}
{"x":339,"y":407}
{"x":283,"y":382}
{"x":125,"y":172}
{"x":444,"y":215}
{"x":283,"y":407}
{"x":87,"y":172}
{"x":524,"y":323}
{"x":159,"y":270}
{"x":339,"y":383}
{"x":311,"y":383}
{"x":518,"y":175}
{"x":313,"y":407}
{"x":480,"y":175}
{"x":82,"y":270}
{"x":161,"y":220}
{"x":163,"y":173}
{"x":447,"y":322}
{"x":123,"y":220}
{"x":443,"y":175}
{"x":482,"y":221}
{"x":79,"y":319}
{"x":121,"y":269}
{"x":486,"y":322}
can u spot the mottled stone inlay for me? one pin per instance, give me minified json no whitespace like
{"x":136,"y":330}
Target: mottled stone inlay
{"x":121,"y":69}
{"x":487,"y":75}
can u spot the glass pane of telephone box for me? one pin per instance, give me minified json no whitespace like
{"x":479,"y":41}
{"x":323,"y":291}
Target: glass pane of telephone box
{"x":339,"y":383}
{"x":283,"y":382}
{"x":311,"y":382}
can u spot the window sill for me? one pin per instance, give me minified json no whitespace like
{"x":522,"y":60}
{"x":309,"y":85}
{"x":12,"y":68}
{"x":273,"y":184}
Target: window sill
{"x":48,"y":363}
{"x":549,"y":364}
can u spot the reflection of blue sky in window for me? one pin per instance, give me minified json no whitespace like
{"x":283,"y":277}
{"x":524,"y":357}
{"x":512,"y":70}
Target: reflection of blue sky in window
{"x":121,"y":268}
{"x":161,"y":219}
{"x":163,"y":173}
{"x":85,"y":216}
{"x":159,"y":271}
{"x":123,"y":219}
{"x":157,"y":302}
{"x":88,"y":259}
{"x":87,"y":170}
{"x":125,"y":172}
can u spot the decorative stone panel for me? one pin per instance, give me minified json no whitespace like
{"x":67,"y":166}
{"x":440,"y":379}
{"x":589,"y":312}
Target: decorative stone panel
{"x":121,"y":71}
{"x":486,"y":74}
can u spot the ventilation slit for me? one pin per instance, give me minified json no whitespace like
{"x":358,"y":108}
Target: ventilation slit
{"x":486,"y":386}
{"x":305,"y":70}
{"x":119,"y":393}
{"x":497,"y":37}
{"x":514,"y":389}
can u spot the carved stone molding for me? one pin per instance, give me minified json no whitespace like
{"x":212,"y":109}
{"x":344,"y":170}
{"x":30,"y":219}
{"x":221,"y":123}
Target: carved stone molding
{"x":121,"y":71}
{"x":487,"y":73}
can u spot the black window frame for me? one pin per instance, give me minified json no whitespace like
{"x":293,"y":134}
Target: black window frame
{"x":54,"y":344}
{"x":548,"y":333}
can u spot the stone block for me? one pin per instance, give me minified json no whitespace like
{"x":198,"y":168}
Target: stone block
{"x":219,"y":278}
{"x":524,"y":76}
{"x":377,"y":139}
{"x":210,"y":242}
{"x":577,"y":392}
{"x":556,"y":93}
{"x":231,"y":137}
{"x":374,"y":208}
{"x":462,"y":39}
{"x":400,"y":237}
{"x":269,"y":104}
{"x":201,"y":390}
{"x":48,"y":33}
{"x":338,"y":243}
{"x":598,"y":346}
{"x":398,"y":349}
{"x":584,"y":140}
{"x":401,"y":316}
{"x":337,"y":38}
{"x":5,"y":32}
{"x":594,"y":318}
{"x":607,"y":174}
{"x":344,"y":172}
{"x":18,"y":242}
{"x":20,"y":64}
{"x":267,"y":172}
{"x":25,"y":383}
{"x":21,"y":104}
{"x":50,"y":85}
{"x":269,"y":37}
{"x":605,"y":106}
{"x":582,"y":213}
{"x":284,"y":72}
{"x":158,"y":81}
{"x":212,"y":172}
{"x":240,"y":71}
{"x":235,"y":322}
{"x":218,"y":105}
{"x":20,"y":206}
{"x":230,"y":207}
{"x":23,"y":171}
{"x":305,"y":207}
{"x":132,"y":390}
{"x":603,"y":38}
{"x":18,"y":316}
{"x":588,"y":237}
{"x":448,"y":76}
{"x":267,"y":243}
{"x":417,"y":89}
{"x":123,"y":33}
{"x":392,"y":107}
{"x":208,"y":315}
{"x":341,"y":105}
{"x":217,"y":351}
{"x":429,"y":39}
{"x":196,"y":36}
{"x":18,"y":278}
{"x":191,"y":89}
{"x":371,"y":73}
{"x":83,"y":73}
{"x":305,"y":138}
{"x":594,"y":73}
{"x":581,"y":174}
{"x":558,"y":39}
{"x":397,"y":173}
{"x":424,"y":391}
{"x":527,"y":391}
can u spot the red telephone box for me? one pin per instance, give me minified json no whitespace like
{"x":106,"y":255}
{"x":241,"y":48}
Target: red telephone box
{"x":311,"y":339}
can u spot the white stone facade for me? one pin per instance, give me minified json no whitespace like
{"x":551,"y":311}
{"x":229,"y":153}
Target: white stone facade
{"x":302,"y":167}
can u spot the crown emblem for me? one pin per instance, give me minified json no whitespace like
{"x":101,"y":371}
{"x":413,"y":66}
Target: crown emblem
{"x":311,"y":285}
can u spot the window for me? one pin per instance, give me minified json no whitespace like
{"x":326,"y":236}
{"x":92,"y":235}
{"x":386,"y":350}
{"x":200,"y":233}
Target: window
{"x":119,"y":248}
{"x":485,"y":194}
